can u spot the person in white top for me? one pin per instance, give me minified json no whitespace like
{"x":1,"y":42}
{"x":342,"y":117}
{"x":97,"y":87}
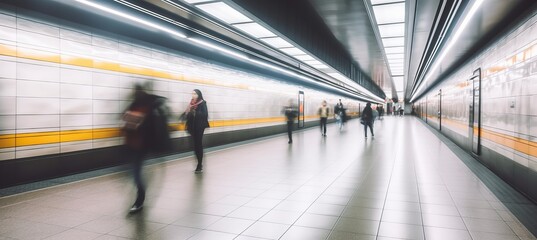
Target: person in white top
{"x":323,"y":112}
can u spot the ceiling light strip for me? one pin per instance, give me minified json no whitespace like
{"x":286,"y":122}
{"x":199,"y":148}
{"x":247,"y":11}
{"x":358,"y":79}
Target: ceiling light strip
{"x":130,"y":17}
{"x":291,"y":50}
{"x":451,"y":43}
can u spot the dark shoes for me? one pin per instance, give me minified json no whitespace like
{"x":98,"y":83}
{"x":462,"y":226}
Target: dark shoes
{"x":290,"y":141}
{"x":136,"y":207}
{"x":199,"y":169}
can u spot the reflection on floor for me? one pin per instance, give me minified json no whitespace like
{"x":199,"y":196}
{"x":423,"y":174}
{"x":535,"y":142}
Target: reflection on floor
{"x":404,"y":183}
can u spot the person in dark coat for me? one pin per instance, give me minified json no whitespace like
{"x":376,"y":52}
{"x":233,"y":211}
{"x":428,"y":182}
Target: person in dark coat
{"x":137,"y":130}
{"x":340,"y":113}
{"x":290,"y":115}
{"x":196,"y":122}
{"x":367,"y":118}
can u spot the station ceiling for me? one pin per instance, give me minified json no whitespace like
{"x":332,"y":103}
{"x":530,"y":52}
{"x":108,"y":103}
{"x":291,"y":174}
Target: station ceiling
{"x":333,"y":30}
{"x":428,"y":29}
{"x":342,"y":36}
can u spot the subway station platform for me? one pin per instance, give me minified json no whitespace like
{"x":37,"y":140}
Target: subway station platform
{"x":406,"y":182}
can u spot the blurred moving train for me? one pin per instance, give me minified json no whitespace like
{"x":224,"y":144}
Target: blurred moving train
{"x":64,"y":86}
{"x":485,"y":107}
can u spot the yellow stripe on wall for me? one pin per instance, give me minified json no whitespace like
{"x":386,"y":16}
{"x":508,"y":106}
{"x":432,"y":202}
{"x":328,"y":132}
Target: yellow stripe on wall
{"x":8,"y":50}
{"x":45,"y":56}
{"x":521,"y":145}
{"x":7,"y":141}
{"x":29,"y":139}
{"x":38,"y":55}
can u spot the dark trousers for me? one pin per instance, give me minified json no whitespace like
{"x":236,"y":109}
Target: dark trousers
{"x":323,"y":125}
{"x":136,"y":156}
{"x":290,"y":130}
{"x":370,"y":124}
{"x":197,"y":139}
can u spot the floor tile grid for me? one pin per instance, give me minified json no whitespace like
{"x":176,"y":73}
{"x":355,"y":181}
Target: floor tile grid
{"x":336,"y":234}
{"x":366,"y":177}
{"x":402,"y":160}
{"x":428,"y":232}
{"x":448,"y":181}
{"x":313,"y":178}
{"x":320,"y":195}
{"x":518,"y":229}
{"x":333,"y":232}
{"x":283,"y":181}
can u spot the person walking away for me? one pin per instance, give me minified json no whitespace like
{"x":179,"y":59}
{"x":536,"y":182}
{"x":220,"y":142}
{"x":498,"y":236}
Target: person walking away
{"x":323,"y":112}
{"x":137,"y":131}
{"x":196,"y":122}
{"x":380,"y":109}
{"x":367,"y":118}
{"x":339,"y":114}
{"x":290,"y":115}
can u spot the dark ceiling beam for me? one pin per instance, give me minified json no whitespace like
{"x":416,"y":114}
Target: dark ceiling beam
{"x":299,"y":21}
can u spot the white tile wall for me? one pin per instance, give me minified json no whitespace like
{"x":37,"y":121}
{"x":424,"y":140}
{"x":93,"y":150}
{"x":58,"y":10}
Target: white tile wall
{"x":502,"y":88}
{"x":105,"y":79}
{"x":7,"y":122}
{"x":8,"y":69}
{"x":7,"y":155}
{"x":38,"y":105}
{"x":104,"y":42}
{"x":105,"y":106}
{"x":75,"y":91}
{"x":7,"y":33}
{"x":75,"y":76}
{"x":38,"y":121}
{"x":8,"y":87}
{"x":82,"y":121}
{"x":75,"y":36}
{"x":38,"y":96}
{"x":126,"y":81}
{"x":38,"y":89}
{"x":101,"y":143}
{"x":8,"y":20}
{"x":106,"y":53}
{"x":105,"y":93}
{"x":76,"y":106}
{"x":104,"y":120}
{"x":76,"y":146}
{"x":37,"y":72}
{"x":69,"y":46}
{"x":36,"y":39}
{"x":44,"y":150}
{"x":37,"y":27}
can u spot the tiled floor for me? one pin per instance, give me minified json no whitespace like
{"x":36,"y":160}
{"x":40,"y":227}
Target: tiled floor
{"x":404,"y":183}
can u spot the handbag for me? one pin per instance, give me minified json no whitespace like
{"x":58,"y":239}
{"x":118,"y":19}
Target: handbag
{"x":133,"y":120}
{"x":362,"y":122}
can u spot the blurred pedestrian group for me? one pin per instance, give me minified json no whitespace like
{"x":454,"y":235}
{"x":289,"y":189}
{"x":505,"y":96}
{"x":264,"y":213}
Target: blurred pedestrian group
{"x":146,"y":131}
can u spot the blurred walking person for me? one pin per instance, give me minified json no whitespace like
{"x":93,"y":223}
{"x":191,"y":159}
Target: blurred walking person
{"x":196,"y":122}
{"x":339,"y":114}
{"x":145,"y":130}
{"x":380,"y":109}
{"x":290,"y":115}
{"x":323,"y":112}
{"x":367,"y":119}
